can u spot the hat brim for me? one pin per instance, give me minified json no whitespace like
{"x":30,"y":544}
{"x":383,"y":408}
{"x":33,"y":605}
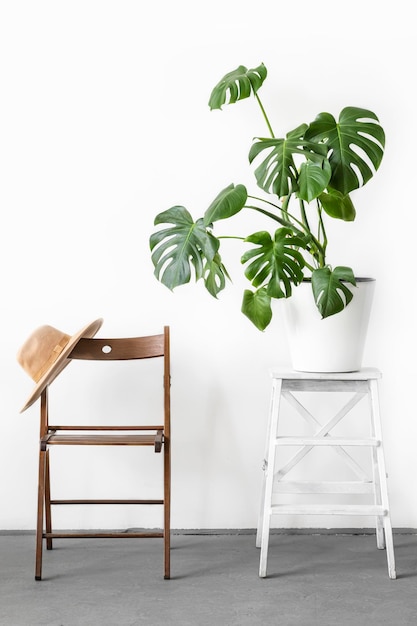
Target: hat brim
{"x":62,"y":361}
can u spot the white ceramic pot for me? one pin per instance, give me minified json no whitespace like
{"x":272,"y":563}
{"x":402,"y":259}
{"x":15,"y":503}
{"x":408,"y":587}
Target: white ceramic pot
{"x":332,"y":344}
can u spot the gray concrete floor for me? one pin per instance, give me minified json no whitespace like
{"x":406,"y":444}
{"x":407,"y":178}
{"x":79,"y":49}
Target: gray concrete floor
{"x":324,"y":579}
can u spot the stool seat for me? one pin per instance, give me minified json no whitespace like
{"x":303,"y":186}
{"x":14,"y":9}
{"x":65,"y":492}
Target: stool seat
{"x":290,"y":385}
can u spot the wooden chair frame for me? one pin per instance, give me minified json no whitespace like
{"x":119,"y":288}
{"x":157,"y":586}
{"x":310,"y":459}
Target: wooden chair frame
{"x":158,"y":436}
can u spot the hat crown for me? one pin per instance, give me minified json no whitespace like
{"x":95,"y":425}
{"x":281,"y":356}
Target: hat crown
{"x":41,"y":350}
{"x":47,"y":352}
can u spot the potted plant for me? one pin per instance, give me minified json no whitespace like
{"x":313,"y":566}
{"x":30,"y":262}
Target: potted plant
{"x":307,"y":178}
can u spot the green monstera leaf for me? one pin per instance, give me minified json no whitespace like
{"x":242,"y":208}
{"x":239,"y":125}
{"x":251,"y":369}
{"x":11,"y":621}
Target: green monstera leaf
{"x":277,"y":173}
{"x":239,"y":84}
{"x":337,"y":205}
{"x":227,"y":203}
{"x":331,"y":295}
{"x":314,"y":178}
{"x":275,"y":261}
{"x":183,"y":246}
{"x":355,"y":136}
{"x":215,"y":275}
{"x":257,"y":307}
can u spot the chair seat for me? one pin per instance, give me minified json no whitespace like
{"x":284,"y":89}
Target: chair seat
{"x":93,"y":439}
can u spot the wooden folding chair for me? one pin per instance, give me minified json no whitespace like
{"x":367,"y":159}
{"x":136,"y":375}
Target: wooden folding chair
{"x":158,"y":436}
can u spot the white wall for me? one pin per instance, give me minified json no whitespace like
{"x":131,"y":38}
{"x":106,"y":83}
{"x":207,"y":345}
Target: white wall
{"x":104,"y":123}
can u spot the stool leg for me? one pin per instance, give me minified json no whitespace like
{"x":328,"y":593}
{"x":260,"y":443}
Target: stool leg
{"x":269,"y":471}
{"x":262,"y":504}
{"x":376,"y":419}
{"x":264,"y":466}
{"x":379,"y":522}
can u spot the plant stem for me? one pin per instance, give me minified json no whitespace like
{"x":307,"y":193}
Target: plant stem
{"x":265,"y":115}
{"x":316,"y":249}
{"x":322,"y":235}
{"x":310,"y":267}
{"x":304,"y":229}
{"x":230,"y":237}
{"x":278,"y":219}
{"x":304,"y":215}
{"x":283,"y":221}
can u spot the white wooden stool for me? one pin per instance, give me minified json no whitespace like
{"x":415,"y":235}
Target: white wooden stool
{"x":358,"y":385}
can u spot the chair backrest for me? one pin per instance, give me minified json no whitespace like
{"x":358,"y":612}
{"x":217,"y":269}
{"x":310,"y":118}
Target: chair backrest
{"x":123,"y":349}
{"x":130,"y":348}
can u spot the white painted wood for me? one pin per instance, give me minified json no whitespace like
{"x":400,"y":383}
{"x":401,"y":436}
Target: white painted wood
{"x":272,"y":410}
{"x":269,"y":476}
{"x":366,"y":373}
{"x":328,"y":509}
{"x":380,"y":533}
{"x":329,"y":385}
{"x":323,"y":430}
{"x":349,"y":487}
{"x":324,"y":441}
{"x":363,"y":383}
{"x":380,"y":459}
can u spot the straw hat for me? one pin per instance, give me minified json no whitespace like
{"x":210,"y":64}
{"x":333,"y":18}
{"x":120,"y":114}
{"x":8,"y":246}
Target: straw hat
{"x":44,"y":355}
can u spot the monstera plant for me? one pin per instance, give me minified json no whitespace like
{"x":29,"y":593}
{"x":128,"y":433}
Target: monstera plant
{"x":307,"y":177}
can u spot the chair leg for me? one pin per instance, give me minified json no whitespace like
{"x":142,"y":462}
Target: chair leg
{"x":48,"y":516}
{"x":41,"y":504}
{"x":167,"y":550}
{"x":167,"y":510}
